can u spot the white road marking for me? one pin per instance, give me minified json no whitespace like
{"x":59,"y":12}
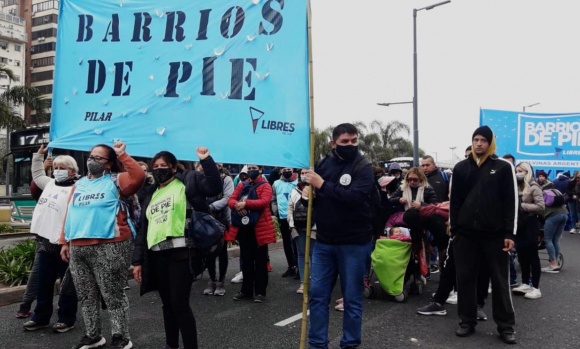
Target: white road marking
{"x":291,"y":319}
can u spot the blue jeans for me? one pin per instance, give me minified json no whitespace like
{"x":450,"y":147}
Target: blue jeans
{"x":572,"y":216}
{"x":301,"y":250}
{"x":553,"y":228}
{"x":329,"y":262}
{"x":513,"y":271}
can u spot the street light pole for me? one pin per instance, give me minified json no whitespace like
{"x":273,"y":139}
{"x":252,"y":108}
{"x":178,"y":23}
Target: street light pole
{"x":391,"y":103}
{"x":529,"y":106}
{"x":415,"y":96}
{"x":452,"y":152}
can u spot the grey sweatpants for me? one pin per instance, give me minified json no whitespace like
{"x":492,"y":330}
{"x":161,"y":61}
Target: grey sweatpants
{"x":101,"y":270}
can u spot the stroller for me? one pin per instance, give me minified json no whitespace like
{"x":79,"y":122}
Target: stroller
{"x":399,"y":268}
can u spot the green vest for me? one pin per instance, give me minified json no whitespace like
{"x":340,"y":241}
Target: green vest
{"x":166,"y":213}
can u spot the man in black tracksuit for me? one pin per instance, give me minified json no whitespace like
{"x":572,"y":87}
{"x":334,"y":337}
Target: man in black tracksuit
{"x":483,"y":216}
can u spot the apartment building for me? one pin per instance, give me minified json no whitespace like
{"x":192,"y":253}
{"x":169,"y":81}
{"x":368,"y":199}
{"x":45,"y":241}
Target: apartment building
{"x":41,"y":23}
{"x":13,"y":41}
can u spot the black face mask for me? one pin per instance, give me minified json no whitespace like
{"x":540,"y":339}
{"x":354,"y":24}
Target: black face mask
{"x":346,"y":152}
{"x":162,"y":175}
{"x":253,"y":174}
{"x":287,"y":174}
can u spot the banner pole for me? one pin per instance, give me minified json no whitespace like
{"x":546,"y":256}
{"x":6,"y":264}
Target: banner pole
{"x":306,"y":276}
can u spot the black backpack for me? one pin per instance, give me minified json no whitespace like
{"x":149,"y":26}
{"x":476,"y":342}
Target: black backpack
{"x":300,"y":213}
{"x":251,"y":217}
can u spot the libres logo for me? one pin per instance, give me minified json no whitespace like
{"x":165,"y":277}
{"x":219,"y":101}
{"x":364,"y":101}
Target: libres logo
{"x":256,"y":115}
{"x":272,"y":125}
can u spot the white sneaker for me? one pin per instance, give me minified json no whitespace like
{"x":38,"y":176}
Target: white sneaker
{"x":300,"y":289}
{"x":452,"y":299}
{"x":551,"y":269}
{"x":238,"y":278}
{"x":572,"y":231}
{"x":523,"y":289}
{"x":533,"y":294}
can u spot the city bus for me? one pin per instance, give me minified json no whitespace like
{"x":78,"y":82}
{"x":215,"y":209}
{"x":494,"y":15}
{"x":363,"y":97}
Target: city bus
{"x":406,"y":162}
{"x":23,"y":144}
{"x":17,"y":163}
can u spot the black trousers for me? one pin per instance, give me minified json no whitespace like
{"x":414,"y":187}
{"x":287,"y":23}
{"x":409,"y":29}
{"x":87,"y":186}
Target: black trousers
{"x":447,"y":280}
{"x":174,"y":280}
{"x":472,"y":256}
{"x":254,"y":261}
{"x":529,"y":261}
{"x":289,"y":248}
{"x":222,"y":256}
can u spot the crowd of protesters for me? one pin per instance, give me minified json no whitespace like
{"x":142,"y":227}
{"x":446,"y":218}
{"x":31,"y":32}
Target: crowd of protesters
{"x":468,"y":224}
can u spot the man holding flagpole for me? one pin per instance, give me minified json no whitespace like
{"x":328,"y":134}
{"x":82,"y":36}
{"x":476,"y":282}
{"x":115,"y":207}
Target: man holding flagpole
{"x":342,"y":181}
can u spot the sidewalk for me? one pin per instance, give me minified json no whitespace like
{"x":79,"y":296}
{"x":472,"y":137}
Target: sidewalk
{"x":10,"y":295}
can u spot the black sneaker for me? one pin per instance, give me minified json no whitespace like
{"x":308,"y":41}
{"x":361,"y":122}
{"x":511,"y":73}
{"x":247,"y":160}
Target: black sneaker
{"x":33,"y":325}
{"x":241,"y":296}
{"x":465,"y":331}
{"x":432,"y":308}
{"x":291,"y":271}
{"x":481,"y":316}
{"x":434,"y":268}
{"x":120,"y":343}
{"x":88,"y":343}
{"x":508,"y":337}
{"x":259,"y":298}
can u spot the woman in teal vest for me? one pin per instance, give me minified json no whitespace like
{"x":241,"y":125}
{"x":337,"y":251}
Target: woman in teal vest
{"x":100,"y":238}
{"x":161,"y":257}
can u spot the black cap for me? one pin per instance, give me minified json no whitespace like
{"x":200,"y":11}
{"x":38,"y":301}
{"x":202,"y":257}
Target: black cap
{"x":484,"y":131}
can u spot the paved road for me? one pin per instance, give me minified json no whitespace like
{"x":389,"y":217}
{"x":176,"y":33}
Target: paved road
{"x":552,"y":321}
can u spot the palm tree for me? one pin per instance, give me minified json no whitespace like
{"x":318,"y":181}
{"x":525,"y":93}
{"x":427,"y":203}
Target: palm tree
{"x":322,"y":140}
{"x":14,"y":97}
{"x":390,"y":132}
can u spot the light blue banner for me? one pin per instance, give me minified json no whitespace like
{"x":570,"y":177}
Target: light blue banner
{"x":550,"y":142}
{"x":173,"y":75}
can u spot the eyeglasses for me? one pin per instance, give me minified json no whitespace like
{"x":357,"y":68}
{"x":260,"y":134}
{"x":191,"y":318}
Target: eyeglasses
{"x":412,"y":179}
{"x":97,"y":158}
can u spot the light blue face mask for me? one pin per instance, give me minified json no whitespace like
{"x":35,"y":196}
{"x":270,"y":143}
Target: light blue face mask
{"x":60,"y":175}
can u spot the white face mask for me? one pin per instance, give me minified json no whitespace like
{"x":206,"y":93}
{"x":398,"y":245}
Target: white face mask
{"x":60,"y":175}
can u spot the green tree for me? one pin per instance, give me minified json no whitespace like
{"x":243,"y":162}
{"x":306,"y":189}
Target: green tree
{"x":322,"y":140}
{"x":394,"y":142}
{"x":16,"y":96}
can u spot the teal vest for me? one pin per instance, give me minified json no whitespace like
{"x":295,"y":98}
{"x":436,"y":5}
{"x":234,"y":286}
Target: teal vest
{"x":92,"y":210}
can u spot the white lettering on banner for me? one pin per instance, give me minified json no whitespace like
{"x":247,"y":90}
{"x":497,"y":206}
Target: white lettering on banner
{"x":554,"y":163}
{"x":543,"y":133}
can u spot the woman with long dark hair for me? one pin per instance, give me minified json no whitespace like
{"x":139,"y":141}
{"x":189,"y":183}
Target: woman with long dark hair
{"x":100,"y":239}
{"x":161,"y":258}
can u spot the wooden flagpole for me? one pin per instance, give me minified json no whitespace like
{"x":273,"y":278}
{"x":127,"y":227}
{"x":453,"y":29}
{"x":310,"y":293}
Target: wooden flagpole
{"x":306,"y":276}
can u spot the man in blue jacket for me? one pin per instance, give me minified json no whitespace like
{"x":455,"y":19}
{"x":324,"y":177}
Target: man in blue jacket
{"x":483,"y":215}
{"x":343,"y":181}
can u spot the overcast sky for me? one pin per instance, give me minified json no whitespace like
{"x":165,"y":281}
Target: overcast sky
{"x":472,"y":54}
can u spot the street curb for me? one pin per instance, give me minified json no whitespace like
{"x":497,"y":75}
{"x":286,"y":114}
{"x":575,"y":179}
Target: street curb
{"x":12,"y":295}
